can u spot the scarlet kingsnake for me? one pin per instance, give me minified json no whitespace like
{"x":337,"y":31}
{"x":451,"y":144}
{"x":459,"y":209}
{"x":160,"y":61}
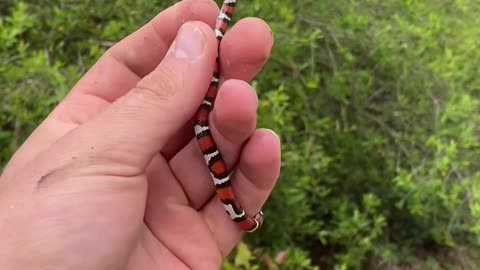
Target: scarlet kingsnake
{"x":213,"y":157}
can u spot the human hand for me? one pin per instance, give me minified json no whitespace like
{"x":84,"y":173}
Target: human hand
{"x":114,"y":179}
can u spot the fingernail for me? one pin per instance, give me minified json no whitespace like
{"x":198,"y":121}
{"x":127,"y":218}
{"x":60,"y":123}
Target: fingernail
{"x":189,"y":43}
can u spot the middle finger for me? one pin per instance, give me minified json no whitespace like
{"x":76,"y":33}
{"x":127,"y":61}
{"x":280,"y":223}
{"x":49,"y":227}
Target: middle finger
{"x":232,"y":122}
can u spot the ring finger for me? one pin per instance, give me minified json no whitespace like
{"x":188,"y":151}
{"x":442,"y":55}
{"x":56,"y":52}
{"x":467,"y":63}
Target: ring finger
{"x":253,"y":180}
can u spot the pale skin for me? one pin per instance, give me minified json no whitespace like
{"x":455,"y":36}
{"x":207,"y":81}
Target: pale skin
{"x":113,"y":178}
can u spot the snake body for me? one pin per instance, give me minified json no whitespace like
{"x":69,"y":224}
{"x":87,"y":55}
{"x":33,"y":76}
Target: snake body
{"x":215,"y":162}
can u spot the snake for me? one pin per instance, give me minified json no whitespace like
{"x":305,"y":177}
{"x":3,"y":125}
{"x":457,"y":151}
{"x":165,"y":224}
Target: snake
{"x":213,"y":157}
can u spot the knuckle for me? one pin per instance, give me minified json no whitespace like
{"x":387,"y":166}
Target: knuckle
{"x":160,"y":85}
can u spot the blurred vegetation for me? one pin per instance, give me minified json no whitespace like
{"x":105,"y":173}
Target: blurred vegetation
{"x":376,"y":102}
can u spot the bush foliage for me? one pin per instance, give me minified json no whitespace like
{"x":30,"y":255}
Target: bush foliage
{"x":376,"y":103}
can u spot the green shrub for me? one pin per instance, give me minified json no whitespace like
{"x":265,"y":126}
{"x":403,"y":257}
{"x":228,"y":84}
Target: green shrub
{"x":376,"y":102}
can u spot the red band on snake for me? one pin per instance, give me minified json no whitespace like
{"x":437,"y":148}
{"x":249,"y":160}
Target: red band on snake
{"x":213,"y":157}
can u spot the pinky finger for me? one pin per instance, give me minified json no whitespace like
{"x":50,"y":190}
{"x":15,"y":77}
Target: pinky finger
{"x":256,"y":174}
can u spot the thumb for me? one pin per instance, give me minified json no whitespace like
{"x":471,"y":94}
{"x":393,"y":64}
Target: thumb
{"x":141,"y":122}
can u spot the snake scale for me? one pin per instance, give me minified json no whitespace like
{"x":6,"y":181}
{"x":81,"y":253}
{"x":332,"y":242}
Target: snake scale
{"x":215,"y":162}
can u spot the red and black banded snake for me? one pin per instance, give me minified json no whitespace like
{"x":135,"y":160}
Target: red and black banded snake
{"x":213,"y":157}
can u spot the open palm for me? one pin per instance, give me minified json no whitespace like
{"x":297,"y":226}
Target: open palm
{"x":114,"y":179}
